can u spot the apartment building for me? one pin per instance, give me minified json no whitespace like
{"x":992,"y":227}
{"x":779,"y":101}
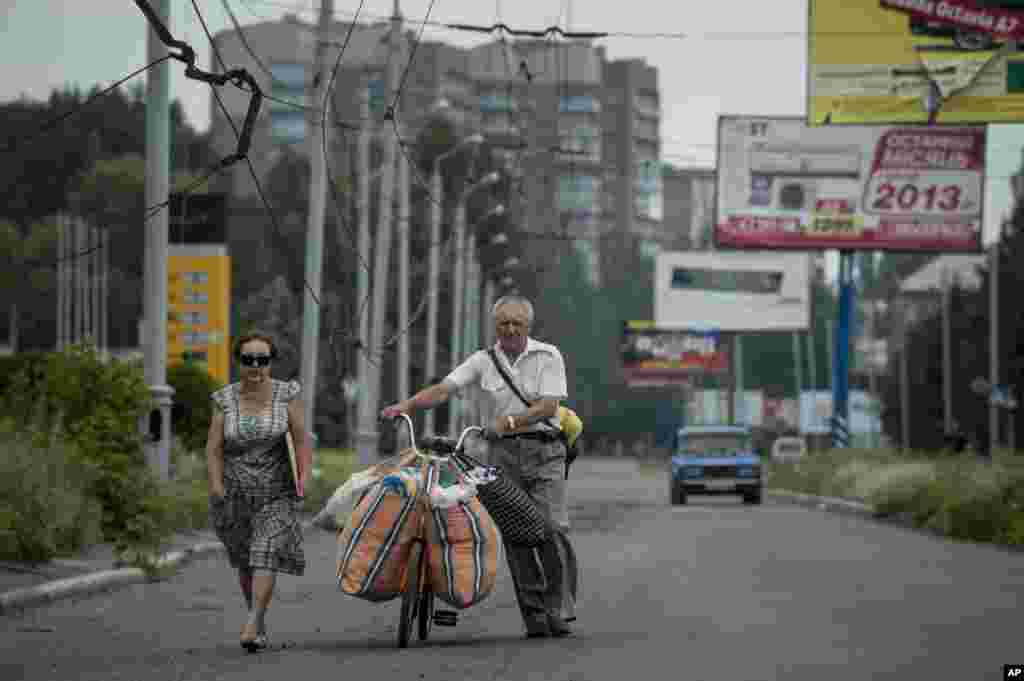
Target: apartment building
{"x":580,"y":132}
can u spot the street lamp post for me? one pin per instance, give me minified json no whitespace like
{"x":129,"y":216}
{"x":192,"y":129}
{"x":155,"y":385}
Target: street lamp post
{"x":434,"y":266}
{"x":459,"y":280}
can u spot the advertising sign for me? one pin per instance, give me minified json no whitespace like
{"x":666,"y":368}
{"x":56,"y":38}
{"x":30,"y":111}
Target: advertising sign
{"x":732,"y":291}
{"x":199,"y":300}
{"x":662,"y":357}
{"x":816,"y":412}
{"x":785,"y":184}
{"x":887,"y":61}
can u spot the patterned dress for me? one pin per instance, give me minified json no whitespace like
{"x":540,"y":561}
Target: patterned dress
{"x":257,"y":520}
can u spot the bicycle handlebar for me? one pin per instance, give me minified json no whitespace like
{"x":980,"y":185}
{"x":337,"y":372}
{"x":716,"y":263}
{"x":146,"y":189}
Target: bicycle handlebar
{"x":440,"y":443}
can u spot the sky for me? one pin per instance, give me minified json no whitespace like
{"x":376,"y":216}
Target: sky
{"x":723,"y":57}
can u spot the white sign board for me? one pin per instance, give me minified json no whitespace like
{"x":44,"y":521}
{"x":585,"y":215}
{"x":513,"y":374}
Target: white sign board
{"x":783,"y":184}
{"x":732,"y":291}
{"x":816,"y":412}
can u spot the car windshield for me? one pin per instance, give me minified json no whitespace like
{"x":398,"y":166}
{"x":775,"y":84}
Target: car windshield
{"x":714,"y":444}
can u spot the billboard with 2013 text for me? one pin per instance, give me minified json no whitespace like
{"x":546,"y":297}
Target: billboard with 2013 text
{"x":783,"y":184}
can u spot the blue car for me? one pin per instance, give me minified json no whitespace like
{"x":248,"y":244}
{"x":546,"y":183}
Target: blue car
{"x":715,"y":460}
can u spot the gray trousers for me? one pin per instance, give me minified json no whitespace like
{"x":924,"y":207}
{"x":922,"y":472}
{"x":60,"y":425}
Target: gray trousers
{"x":545,"y":577}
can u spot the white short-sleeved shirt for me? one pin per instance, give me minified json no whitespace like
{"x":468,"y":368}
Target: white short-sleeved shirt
{"x":539,"y":373}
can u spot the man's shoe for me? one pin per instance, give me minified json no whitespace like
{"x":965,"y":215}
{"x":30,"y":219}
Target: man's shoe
{"x":536,"y":627}
{"x":558,"y":626}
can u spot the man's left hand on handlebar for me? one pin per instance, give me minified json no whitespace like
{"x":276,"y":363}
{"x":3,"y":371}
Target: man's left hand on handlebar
{"x":393,"y":411}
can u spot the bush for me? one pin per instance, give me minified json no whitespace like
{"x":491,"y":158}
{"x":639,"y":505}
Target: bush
{"x":46,"y":509}
{"x":192,"y":407}
{"x":97,"y":409}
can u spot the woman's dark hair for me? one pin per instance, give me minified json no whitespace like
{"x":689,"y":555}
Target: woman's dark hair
{"x":255,"y":336}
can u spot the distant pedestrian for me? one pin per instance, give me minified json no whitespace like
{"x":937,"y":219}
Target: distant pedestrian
{"x":255,"y":497}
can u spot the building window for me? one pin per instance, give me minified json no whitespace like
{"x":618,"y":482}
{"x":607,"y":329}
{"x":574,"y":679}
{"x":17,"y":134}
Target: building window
{"x":647,"y":197}
{"x":646,"y":104}
{"x":579,"y":104}
{"x":645,"y":128}
{"x":195,"y":277}
{"x":194,"y":317}
{"x":589,"y":259}
{"x":579,"y":193}
{"x":287,"y":120}
{"x":196,"y":298}
{"x":579,"y":141}
{"x":195,"y":356}
{"x":375,"y":86}
{"x":494,"y":102}
{"x":194,"y":338}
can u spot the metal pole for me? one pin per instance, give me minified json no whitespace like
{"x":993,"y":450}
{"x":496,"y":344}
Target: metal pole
{"x":740,"y":407}
{"x":368,"y":434}
{"x":841,"y":387}
{"x":404,"y":215}
{"x":155,"y":285}
{"x":94,"y":286}
{"x":362,"y":303}
{"x":812,"y":359}
{"x":993,"y":409}
{"x":79,"y":280}
{"x":433,"y":284}
{"x":318,"y":147}
{"x":61,"y":267}
{"x":798,"y":366}
{"x":905,"y":384}
{"x":947,"y":354}
{"x":458,"y":283}
{"x":485,"y":313}
{"x":105,"y":296}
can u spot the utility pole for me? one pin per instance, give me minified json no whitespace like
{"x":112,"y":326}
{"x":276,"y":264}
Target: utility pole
{"x":433,"y":284}
{"x":94,"y":284}
{"x":403,"y":276}
{"x":158,"y":132}
{"x":105,"y":296}
{"x":368,"y":435}
{"x":362,"y":308}
{"x":993,"y":352}
{"x":947,"y":354}
{"x":319,"y":145}
{"x":61,"y":267}
{"x":458,"y":283}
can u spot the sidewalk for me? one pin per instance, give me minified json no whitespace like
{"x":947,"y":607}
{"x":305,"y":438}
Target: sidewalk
{"x":25,"y":585}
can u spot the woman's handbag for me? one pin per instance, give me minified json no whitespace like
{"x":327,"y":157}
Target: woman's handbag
{"x":515,"y":513}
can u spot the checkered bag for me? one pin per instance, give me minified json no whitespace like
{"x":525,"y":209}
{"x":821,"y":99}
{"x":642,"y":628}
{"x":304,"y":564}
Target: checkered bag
{"x":515,"y":513}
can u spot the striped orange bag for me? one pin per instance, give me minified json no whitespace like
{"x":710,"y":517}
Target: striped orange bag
{"x":464,"y":548}
{"x":374,"y":546}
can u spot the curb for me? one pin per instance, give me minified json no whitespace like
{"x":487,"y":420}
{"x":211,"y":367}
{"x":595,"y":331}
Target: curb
{"x":103,"y":580}
{"x":95,"y":582}
{"x":824,"y":503}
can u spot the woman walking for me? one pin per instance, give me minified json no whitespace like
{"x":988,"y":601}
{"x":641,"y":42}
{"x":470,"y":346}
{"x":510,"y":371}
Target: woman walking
{"x":254,"y":495}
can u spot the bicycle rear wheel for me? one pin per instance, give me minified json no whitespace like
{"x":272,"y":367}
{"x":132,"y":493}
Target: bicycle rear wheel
{"x":426,"y":614}
{"x":411,"y":595}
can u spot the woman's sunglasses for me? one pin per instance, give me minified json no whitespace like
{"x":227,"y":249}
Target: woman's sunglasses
{"x":255,"y":360}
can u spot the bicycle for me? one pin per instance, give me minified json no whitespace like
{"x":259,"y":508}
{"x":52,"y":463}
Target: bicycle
{"x":418,"y":600}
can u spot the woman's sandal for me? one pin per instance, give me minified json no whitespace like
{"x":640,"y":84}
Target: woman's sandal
{"x":255,"y":643}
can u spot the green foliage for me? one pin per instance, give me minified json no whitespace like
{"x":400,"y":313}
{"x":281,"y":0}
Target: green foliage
{"x":192,"y":408}
{"x":960,"y":497}
{"x":97,"y":408}
{"x":46,"y":509}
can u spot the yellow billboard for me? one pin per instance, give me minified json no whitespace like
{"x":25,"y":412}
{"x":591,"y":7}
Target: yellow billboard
{"x":199,"y":290}
{"x":900,"y":61}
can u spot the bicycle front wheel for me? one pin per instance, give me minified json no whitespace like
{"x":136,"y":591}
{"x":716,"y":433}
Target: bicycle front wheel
{"x":410,"y":596}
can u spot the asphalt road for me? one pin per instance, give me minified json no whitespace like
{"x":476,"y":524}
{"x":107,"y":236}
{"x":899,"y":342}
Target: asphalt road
{"x":712,"y":590}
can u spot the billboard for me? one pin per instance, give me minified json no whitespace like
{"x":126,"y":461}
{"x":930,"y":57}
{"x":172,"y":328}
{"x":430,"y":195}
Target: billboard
{"x":816,"y":412}
{"x":652,"y":356}
{"x":785,"y":184}
{"x":884,"y":61}
{"x":732,"y":291}
{"x":199,"y":290}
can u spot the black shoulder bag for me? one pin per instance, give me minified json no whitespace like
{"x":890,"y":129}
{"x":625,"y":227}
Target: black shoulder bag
{"x":570,"y":452}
